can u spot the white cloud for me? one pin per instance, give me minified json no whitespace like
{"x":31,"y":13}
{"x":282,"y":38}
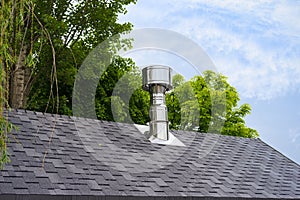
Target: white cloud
{"x":287,"y":14}
{"x":233,"y":5}
{"x":255,"y":43}
{"x":294,"y":135}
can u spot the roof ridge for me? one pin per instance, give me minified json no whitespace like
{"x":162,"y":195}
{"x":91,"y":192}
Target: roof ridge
{"x":16,"y":110}
{"x":219,"y":134}
{"x":106,"y":121}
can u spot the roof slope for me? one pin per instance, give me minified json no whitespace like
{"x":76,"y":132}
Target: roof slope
{"x":102,"y":159}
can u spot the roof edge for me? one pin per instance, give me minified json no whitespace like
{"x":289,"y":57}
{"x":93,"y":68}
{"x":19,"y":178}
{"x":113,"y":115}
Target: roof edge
{"x":121,"y":197}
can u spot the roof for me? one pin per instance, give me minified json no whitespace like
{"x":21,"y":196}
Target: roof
{"x":61,"y":157}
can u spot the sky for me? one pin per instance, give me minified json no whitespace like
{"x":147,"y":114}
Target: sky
{"x":256,"y":44}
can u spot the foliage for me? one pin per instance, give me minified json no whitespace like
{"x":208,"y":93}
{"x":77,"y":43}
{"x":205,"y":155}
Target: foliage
{"x":208,"y":103}
{"x":106,"y":87}
{"x":139,"y":106}
{"x":76,"y":28}
{"x":173,"y":105}
{"x":119,"y":96}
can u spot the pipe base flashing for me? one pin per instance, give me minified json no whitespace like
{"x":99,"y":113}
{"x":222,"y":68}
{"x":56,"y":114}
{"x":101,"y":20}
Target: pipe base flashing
{"x":171,"y":141}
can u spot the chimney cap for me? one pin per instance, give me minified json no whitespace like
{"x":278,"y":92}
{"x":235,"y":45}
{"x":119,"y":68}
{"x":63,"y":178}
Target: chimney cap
{"x":157,"y":75}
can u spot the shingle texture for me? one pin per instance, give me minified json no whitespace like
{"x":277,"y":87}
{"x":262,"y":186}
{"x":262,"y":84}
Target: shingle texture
{"x":76,"y":158}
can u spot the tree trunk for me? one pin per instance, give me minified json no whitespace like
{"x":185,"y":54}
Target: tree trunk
{"x":19,"y":80}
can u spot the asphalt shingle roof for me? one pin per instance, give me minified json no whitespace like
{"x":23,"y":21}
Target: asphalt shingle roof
{"x":60,"y":157}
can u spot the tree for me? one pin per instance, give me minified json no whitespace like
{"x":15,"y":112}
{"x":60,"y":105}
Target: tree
{"x":208,"y":103}
{"x":182,"y":105}
{"x":42,"y":45}
{"x":106,"y":87}
{"x":16,"y":28}
{"x":75,"y":29}
{"x":119,"y":96}
{"x":61,"y":32}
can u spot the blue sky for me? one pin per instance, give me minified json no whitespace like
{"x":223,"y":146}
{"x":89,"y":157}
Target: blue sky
{"x":256,"y":44}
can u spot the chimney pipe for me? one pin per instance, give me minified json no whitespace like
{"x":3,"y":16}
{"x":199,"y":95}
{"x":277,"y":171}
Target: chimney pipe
{"x":157,"y":80}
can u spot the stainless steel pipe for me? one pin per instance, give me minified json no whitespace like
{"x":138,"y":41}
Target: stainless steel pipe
{"x":157,"y":80}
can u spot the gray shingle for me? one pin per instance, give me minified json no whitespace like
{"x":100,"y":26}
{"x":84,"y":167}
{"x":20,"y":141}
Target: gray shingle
{"x":91,"y":158}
